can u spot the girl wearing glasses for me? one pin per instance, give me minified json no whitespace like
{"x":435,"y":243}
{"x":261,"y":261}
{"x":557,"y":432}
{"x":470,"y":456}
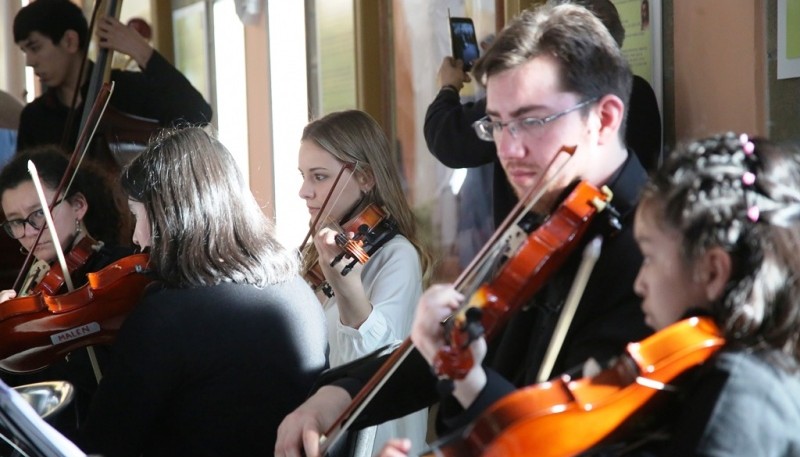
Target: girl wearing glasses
{"x":230,"y":339}
{"x":89,"y":211}
{"x":372,"y":305}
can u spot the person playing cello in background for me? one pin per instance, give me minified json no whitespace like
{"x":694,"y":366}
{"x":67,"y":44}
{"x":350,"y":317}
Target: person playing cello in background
{"x":230,"y":340}
{"x":53,"y":35}
{"x":718,"y":225}
{"x":554,"y":77}
{"x":373,"y":305}
{"x":88,"y":218}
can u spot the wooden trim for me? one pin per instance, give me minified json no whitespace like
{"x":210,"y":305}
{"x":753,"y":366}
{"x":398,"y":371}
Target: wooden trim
{"x":374,"y":64}
{"x":259,"y":116}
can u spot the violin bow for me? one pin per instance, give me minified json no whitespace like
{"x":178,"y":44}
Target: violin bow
{"x":59,"y":253}
{"x":98,"y":108}
{"x":590,"y":255}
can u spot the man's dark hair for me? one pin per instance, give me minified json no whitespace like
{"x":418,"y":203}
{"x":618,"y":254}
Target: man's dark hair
{"x":51,"y":18}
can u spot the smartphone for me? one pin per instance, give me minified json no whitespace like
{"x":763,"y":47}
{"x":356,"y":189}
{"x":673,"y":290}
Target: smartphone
{"x":463,"y":41}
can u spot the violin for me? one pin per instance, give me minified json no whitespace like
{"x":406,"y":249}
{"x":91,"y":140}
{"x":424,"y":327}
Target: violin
{"x":565,"y":417}
{"x":38,"y":329}
{"x":535,"y":259}
{"x":371,"y":227}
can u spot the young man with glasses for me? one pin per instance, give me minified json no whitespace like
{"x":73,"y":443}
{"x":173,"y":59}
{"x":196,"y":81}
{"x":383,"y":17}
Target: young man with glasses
{"x":554,"y":78}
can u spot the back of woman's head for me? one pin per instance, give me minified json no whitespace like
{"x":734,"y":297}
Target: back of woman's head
{"x":105,"y":220}
{"x":206,"y":226}
{"x":354,"y":137}
{"x":742,"y":195}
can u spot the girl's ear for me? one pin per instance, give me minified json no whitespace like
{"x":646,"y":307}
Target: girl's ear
{"x":79,"y":205}
{"x":715,"y":272}
{"x":366,"y":180}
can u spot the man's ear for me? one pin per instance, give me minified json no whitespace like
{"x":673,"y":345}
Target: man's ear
{"x":714,"y":272}
{"x":71,"y":41}
{"x":611,"y":112}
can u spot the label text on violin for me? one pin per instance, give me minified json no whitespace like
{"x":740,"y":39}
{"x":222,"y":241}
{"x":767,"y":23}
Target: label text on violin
{"x":75,"y":333}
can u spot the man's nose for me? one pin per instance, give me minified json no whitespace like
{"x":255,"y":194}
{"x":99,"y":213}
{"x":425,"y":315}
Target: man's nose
{"x":509,"y":144}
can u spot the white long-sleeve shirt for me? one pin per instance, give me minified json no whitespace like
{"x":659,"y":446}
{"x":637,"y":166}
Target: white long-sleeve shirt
{"x":392,"y":280}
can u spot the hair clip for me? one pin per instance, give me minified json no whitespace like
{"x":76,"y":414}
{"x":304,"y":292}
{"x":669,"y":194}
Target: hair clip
{"x":753,"y":213}
{"x":747,"y":145}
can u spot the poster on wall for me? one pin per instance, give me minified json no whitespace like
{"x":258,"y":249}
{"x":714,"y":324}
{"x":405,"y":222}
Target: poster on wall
{"x":788,"y":39}
{"x":642,"y":47}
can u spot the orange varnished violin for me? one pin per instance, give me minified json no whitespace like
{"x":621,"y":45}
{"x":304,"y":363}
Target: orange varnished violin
{"x":38,"y":329}
{"x":565,"y":417}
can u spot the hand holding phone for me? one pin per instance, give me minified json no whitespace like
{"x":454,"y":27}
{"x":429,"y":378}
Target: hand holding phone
{"x":463,"y":41}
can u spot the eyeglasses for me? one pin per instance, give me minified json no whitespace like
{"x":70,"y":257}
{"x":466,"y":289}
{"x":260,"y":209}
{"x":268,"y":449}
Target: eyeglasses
{"x":16,"y":228}
{"x":486,"y":129}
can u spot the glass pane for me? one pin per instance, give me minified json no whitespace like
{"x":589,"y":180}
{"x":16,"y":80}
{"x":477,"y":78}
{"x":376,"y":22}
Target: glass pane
{"x":229,"y":75}
{"x":191,"y":43}
{"x":331,"y":55}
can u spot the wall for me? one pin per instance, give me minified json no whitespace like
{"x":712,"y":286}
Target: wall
{"x":783,"y":102}
{"x":719,"y":67}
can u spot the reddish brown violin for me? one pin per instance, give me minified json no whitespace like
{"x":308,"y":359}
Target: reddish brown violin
{"x":565,"y":417}
{"x":39,"y":329}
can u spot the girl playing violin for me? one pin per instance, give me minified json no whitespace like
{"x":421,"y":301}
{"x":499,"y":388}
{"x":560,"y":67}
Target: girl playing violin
{"x":230,"y":340}
{"x":373,"y":305}
{"x":89,"y":209}
{"x":718,"y":225}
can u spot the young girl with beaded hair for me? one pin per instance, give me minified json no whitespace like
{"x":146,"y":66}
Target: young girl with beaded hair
{"x":719,"y":227}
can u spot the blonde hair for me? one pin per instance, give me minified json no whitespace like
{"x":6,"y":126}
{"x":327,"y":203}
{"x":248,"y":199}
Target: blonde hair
{"x":354,"y":137}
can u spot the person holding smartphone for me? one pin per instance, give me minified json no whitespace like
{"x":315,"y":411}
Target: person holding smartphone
{"x":451,"y":139}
